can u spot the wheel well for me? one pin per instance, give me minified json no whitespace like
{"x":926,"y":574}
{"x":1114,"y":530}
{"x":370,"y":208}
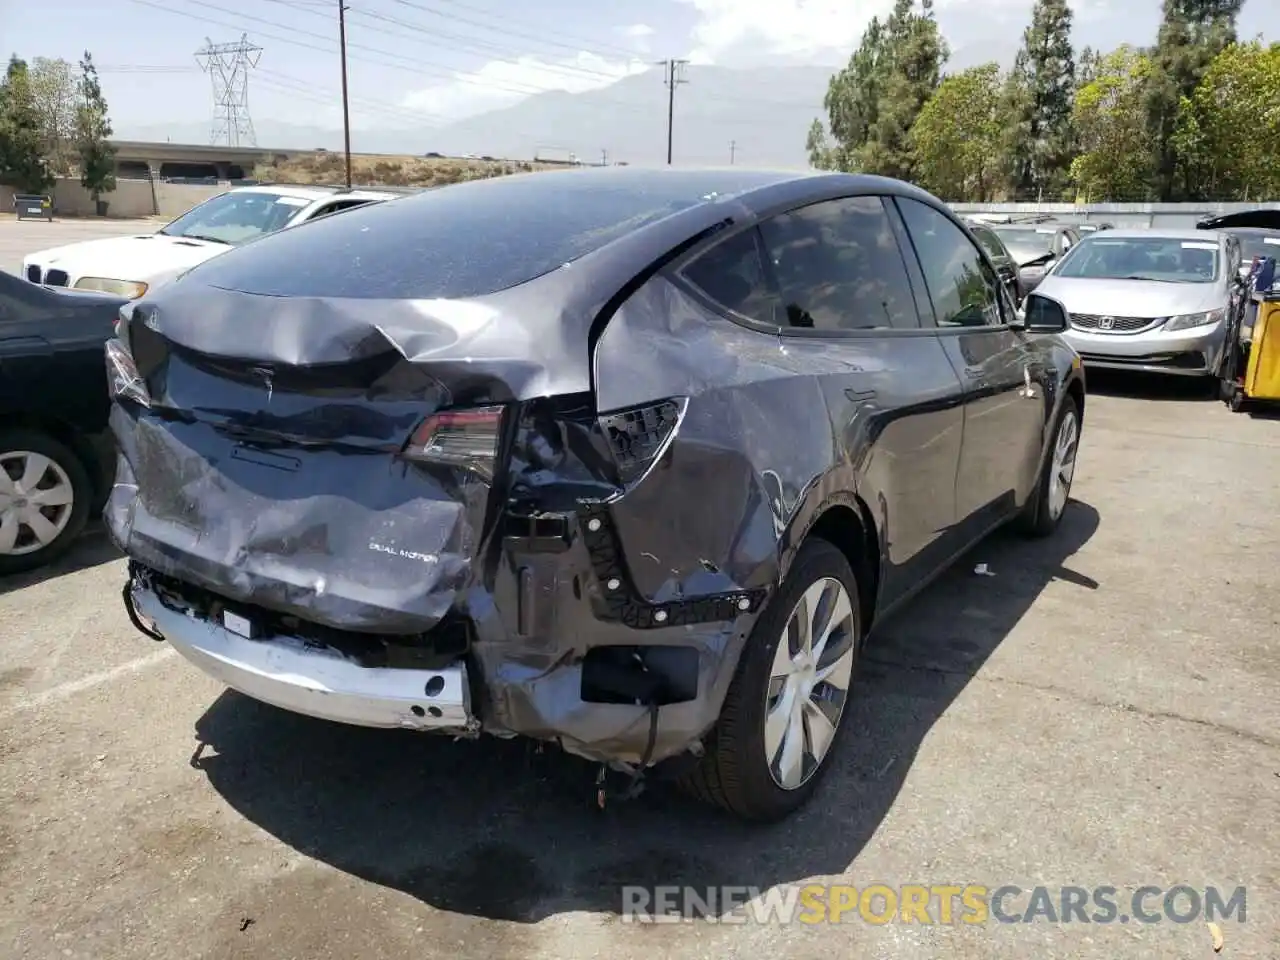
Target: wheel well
{"x":853,"y":532}
{"x":1076,"y":390}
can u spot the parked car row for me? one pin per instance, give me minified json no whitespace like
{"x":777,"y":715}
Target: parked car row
{"x":1155,"y":300}
{"x":629,"y":461}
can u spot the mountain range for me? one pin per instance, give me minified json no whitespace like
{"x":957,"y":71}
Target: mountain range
{"x":757,"y":117}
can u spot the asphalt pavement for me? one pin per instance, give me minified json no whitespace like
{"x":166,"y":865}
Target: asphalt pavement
{"x":1101,"y":710}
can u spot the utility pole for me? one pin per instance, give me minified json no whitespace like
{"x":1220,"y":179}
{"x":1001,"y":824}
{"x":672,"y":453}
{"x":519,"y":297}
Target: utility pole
{"x":733,"y":149}
{"x":604,"y":157}
{"x":346,"y":110}
{"x":672,"y":79}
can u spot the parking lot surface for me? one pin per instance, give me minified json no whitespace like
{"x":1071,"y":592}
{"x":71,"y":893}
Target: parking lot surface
{"x":1100,"y":711}
{"x":21,"y":237}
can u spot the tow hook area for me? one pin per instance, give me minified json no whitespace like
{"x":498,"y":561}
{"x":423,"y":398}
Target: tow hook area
{"x":649,"y":676}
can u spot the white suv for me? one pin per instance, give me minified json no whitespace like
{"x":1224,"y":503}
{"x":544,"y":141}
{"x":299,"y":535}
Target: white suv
{"x":129,"y":266}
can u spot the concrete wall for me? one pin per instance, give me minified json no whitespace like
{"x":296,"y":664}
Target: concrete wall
{"x":1119,"y":214}
{"x":131,"y":198}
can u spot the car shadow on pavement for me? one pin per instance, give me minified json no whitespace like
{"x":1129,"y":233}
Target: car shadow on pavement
{"x":94,"y":547}
{"x":1151,"y":386}
{"x":492,"y":829}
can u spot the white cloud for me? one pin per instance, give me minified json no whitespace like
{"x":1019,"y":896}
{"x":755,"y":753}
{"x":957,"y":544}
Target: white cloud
{"x":638,"y":34}
{"x":502,"y":83}
{"x":735,"y":29}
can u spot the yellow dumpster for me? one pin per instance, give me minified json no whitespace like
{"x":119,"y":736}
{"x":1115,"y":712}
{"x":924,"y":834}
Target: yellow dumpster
{"x":1262,"y":375}
{"x":1260,"y":347}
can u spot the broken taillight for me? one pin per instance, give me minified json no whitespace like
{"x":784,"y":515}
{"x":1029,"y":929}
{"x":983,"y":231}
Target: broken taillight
{"x":123,"y":379}
{"x":466,"y":438}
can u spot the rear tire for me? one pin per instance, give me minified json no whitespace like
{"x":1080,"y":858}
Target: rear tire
{"x":1044,"y":509}
{"x":45,"y":492}
{"x":785,"y":708}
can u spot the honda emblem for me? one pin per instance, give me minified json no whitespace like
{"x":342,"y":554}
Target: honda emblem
{"x":1106,"y":323}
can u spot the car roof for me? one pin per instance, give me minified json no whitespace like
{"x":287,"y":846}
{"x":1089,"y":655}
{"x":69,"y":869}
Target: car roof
{"x":308,"y":191}
{"x":1032,"y":227}
{"x":1162,"y":233}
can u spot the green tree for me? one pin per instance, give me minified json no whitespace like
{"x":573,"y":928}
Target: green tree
{"x":1117,"y":160}
{"x":851,"y":102}
{"x":55,"y":92}
{"x":93,"y":133}
{"x":1039,"y":138}
{"x":956,"y":137}
{"x":1227,"y":138}
{"x":874,"y":101}
{"x":1087,"y":66}
{"x":22,"y":164}
{"x":1192,"y":33}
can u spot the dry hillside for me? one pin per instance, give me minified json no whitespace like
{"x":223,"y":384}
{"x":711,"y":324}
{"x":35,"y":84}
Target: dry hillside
{"x":328,"y":167}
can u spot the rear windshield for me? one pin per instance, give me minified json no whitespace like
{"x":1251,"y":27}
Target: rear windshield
{"x":1103,"y":257}
{"x":464,"y":240}
{"x":1026,"y":245}
{"x":990,"y":242}
{"x":1259,"y":244}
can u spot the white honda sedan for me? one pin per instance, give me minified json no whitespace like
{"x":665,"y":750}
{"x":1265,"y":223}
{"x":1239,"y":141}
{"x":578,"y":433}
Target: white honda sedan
{"x":129,"y":266}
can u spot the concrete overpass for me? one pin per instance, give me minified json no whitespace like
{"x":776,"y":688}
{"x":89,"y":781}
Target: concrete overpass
{"x":141,"y":160}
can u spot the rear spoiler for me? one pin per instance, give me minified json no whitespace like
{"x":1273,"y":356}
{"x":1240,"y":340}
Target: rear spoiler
{"x":1264,"y":219}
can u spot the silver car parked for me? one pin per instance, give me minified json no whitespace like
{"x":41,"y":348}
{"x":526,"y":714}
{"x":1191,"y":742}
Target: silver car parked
{"x":1154,"y":300}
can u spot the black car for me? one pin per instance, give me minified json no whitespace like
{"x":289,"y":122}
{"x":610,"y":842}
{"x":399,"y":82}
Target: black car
{"x":1006,"y":268}
{"x":1257,"y":230}
{"x":625,"y":460}
{"x":56,"y":455}
{"x":1035,"y":247}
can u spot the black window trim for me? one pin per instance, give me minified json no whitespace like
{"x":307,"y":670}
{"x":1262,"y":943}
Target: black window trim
{"x":675,"y":273}
{"x":954,"y":331}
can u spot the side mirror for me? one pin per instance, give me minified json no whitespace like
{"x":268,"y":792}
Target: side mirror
{"x":1044,"y":314}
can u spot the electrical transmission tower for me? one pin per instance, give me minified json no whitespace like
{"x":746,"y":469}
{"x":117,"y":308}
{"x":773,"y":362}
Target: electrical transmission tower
{"x":228,"y":64}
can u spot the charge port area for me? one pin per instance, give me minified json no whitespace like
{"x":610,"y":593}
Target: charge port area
{"x":648,"y":675}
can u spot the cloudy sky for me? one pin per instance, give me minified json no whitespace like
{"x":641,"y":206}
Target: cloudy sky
{"x":431,"y":61}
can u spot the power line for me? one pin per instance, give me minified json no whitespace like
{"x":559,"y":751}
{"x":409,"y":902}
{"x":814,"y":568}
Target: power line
{"x":673,"y":79}
{"x":228,"y":64}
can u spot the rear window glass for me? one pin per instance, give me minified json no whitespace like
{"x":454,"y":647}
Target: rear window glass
{"x":989,"y":241}
{"x":464,"y":240}
{"x":1026,"y":245}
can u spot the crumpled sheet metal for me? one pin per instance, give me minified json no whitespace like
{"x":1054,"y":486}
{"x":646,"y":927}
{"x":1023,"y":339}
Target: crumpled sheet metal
{"x":360,"y":540}
{"x":741,"y":440}
{"x":297,"y":542}
{"x":530,"y":355}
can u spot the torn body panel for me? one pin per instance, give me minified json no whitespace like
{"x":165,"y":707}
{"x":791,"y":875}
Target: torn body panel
{"x":268,"y":478}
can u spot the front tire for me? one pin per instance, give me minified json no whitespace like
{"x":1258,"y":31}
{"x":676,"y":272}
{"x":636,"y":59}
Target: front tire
{"x":1048,"y":502}
{"x":783,"y":712}
{"x":44,"y":499}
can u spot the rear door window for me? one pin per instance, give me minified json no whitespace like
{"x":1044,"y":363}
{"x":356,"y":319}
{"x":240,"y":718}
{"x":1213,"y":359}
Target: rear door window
{"x":838,"y":267}
{"x":963,"y":287}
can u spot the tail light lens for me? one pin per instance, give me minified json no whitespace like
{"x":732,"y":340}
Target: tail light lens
{"x":466,"y":438}
{"x":123,"y":380}
{"x":639,"y":436}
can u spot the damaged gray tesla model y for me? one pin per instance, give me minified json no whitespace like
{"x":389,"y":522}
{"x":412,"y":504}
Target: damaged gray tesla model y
{"x":625,"y":460}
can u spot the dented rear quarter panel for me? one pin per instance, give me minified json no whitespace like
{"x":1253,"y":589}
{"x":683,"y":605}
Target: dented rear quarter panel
{"x":775,"y":431}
